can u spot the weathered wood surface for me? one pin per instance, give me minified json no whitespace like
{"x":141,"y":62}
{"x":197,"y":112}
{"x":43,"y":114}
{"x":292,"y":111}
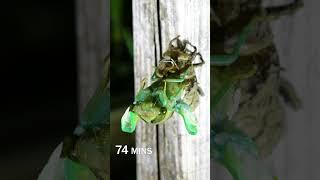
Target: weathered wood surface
{"x":93,"y":37}
{"x":183,"y":156}
{"x":297,"y":40}
{"x":145,"y":33}
{"x":180,"y":155}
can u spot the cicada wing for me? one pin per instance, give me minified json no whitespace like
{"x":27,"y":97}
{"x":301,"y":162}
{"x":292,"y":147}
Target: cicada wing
{"x":129,"y":121}
{"x":189,"y":118}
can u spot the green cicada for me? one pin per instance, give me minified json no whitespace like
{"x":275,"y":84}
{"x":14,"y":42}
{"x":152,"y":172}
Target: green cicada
{"x":174,"y":88}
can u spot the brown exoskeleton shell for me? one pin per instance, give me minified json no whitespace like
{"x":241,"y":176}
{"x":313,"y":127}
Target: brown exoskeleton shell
{"x":260,"y":113}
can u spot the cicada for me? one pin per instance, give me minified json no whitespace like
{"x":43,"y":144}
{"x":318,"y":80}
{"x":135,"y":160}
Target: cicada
{"x":247,"y":85}
{"x":174,"y":88}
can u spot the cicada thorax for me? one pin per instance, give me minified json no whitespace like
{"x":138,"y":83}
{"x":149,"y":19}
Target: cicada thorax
{"x":175,"y":62}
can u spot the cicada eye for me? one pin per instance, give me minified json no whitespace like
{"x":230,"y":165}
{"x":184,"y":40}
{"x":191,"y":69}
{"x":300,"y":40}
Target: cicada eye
{"x":163,"y":110}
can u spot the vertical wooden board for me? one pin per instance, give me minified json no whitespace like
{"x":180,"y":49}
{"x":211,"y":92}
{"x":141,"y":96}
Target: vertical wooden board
{"x":145,"y":35}
{"x":92,"y":37}
{"x":297,"y":38}
{"x":183,"y":156}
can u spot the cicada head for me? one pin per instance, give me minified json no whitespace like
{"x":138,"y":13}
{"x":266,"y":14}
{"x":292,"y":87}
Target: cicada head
{"x":166,"y":66}
{"x":181,"y":52}
{"x":177,"y":59}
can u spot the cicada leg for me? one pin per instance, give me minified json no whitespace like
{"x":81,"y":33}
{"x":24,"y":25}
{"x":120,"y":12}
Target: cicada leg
{"x":129,"y":121}
{"x":186,"y":42}
{"x":227,"y":59}
{"x":163,"y":98}
{"x":189,"y":118}
{"x":143,"y":93}
{"x":201,"y":60}
{"x":154,"y":76}
{"x":174,"y":39}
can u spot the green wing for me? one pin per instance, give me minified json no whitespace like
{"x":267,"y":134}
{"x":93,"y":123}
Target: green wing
{"x":129,"y":121}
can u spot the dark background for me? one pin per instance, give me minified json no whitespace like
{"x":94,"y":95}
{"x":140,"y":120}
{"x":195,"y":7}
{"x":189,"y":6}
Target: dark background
{"x":122,"y":87}
{"x":38,"y":83}
{"x":38,"y":76}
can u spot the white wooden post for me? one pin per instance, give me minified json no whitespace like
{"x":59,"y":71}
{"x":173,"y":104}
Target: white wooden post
{"x":93,"y":37}
{"x":146,"y":40}
{"x":176,"y":154}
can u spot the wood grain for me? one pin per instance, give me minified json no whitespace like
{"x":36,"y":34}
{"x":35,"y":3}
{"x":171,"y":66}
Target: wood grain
{"x":93,"y":37}
{"x":180,"y":155}
{"x":183,"y":156}
{"x":145,"y":37}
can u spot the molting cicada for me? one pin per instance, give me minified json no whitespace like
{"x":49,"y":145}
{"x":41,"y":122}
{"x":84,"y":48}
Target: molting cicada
{"x":174,"y":88}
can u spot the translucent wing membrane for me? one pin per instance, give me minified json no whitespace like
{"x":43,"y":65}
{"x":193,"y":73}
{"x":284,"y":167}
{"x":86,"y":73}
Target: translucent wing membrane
{"x":189,"y":118}
{"x":129,"y":121}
